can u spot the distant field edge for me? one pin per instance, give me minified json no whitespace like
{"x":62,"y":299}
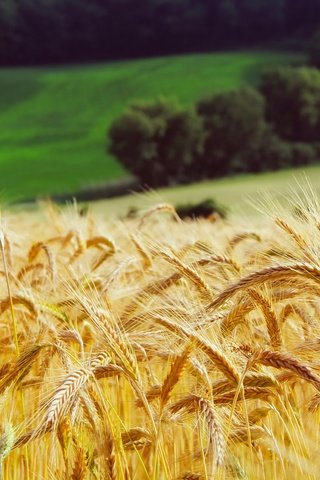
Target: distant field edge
{"x":240,"y":194}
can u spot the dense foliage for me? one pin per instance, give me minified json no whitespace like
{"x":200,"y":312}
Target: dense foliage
{"x":314,"y":49}
{"x":42,"y":31}
{"x":232,"y":121}
{"x":245,"y":130}
{"x":293,"y":102}
{"x":157,"y":141}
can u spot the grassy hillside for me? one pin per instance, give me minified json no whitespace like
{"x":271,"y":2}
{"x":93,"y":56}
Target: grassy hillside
{"x":53,"y":120}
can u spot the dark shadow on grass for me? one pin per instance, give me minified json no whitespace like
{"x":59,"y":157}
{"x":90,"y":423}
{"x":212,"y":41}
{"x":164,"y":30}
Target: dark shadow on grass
{"x":254,"y":72}
{"x":109,"y":190}
{"x":14,"y":91}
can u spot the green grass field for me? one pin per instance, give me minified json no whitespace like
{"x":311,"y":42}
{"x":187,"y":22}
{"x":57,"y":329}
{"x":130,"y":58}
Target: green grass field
{"x":53,"y":121}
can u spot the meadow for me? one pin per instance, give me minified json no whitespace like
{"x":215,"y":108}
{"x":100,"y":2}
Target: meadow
{"x":155,"y":348}
{"x":53,"y":120}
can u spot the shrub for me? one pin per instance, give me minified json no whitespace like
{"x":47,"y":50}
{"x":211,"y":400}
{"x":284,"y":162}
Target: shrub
{"x":232,"y":122}
{"x":293,"y":102}
{"x":203,"y":209}
{"x":157,"y":141}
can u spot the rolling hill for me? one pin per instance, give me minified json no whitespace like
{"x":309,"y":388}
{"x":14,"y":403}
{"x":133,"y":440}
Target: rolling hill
{"x":53,"y":120}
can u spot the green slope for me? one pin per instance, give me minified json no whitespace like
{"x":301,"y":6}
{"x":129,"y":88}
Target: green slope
{"x":53,"y":121}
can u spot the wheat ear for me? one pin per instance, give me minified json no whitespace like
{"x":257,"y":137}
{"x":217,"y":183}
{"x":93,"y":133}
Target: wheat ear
{"x":188,"y":272}
{"x":298,"y":239}
{"x":6,"y":444}
{"x":215,"y":435}
{"x":162,"y":207}
{"x":175,"y":373}
{"x":270,"y":318}
{"x":146,"y":260}
{"x":34,"y":252}
{"x":80,"y":464}
{"x":194,"y":403}
{"x":216,"y":356}
{"x":267,"y":274}
{"x":281,"y":360}
{"x":243,"y":236}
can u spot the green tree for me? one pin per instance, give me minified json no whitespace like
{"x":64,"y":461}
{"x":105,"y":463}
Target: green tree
{"x":261,"y":19}
{"x":293,"y":102}
{"x":42,"y":31}
{"x":266,"y":152}
{"x":8,"y":38}
{"x":232,"y":121}
{"x":314,"y":50}
{"x":158,"y":142}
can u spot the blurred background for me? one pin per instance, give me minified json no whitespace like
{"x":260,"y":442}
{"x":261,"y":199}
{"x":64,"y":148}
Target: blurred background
{"x":104,"y":97}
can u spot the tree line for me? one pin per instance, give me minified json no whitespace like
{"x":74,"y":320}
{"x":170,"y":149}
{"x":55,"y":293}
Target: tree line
{"x":48,"y":31}
{"x":274,"y":126}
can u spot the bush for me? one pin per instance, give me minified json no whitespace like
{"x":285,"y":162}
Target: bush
{"x":232,"y":122}
{"x":293,"y":103}
{"x":203,"y":209}
{"x":157,"y":141}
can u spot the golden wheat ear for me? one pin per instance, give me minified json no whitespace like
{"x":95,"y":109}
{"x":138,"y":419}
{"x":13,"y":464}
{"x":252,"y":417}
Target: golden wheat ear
{"x":79,"y":471}
{"x":279,"y":272}
{"x":162,"y":207}
{"x":282,"y":360}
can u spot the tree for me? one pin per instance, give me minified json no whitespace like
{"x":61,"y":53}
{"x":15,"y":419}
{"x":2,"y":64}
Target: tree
{"x":232,"y":121}
{"x":293,"y":102}
{"x":157,"y":141}
{"x":261,"y":19}
{"x":314,"y":50}
{"x":42,"y":31}
{"x":302,"y":17}
{"x":8,"y":39}
{"x":266,"y":152}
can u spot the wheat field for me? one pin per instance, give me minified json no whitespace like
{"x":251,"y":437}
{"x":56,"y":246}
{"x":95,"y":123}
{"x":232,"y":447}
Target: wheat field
{"x":155,"y":348}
